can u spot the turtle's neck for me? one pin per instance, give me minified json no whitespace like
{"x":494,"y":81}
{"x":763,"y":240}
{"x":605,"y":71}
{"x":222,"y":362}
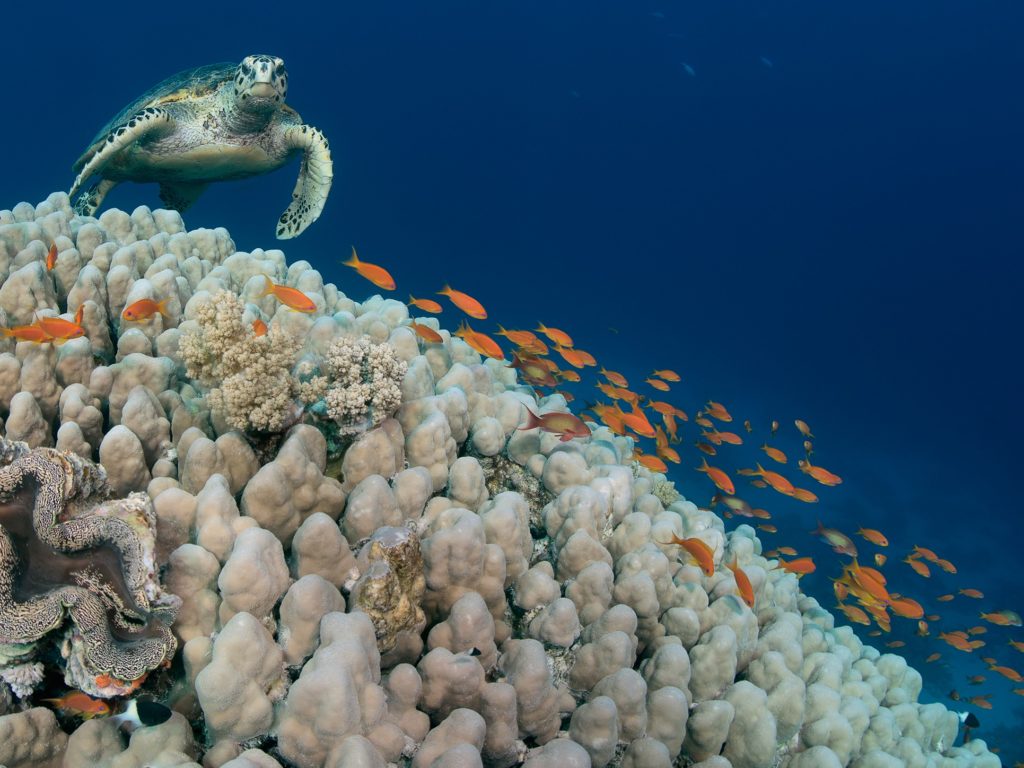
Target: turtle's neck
{"x":242,"y":121}
{"x":246,"y":121}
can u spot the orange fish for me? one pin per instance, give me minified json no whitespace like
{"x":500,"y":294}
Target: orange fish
{"x":820,"y":474}
{"x":717,"y":411}
{"x":79,"y":314}
{"x":799,"y":566}
{"x":977,"y":630}
{"x":933,"y":657}
{"x":981,"y":702}
{"x":259,"y":327}
{"x":699,"y":551}
{"x":945,"y":598}
{"x":854,"y":614}
{"x":480,"y":342}
{"x":143,"y":309}
{"x":907,"y":608}
{"x":945,"y":565}
{"x":1009,"y":674}
{"x":78,"y":704}
{"x":895,"y":644}
{"x":787,"y":551}
{"x":427,"y":305}
{"x":658,"y":384}
{"x":926,"y":553}
{"x":775,"y":426}
{"x":706,"y":423}
{"x":721,"y":480}
{"x":1004,"y":618}
{"x":571,"y":356}
{"x":767,"y":528}
{"x":976,"y":594}
{"x":746,"y":426}
{"x":774,"y":453}
{"x":920,"y":568}
{"x":775,"y":480}
{"x":958,"y":640}
{"x":706,"y":448}
{"x":426,"y":333}
{"x":637,"y":421}
{"x":375,"y":274}
{"x":566,"y":425}
{"x":523,"y":339}
{"x":804,"y":429}
{"x":59,"y":328}
{"x":746,"y":589}
{"x":290,"y":297}
{"x":51,"y":257}
{"x":652,"y":463}
{"x":559,"y":337}
{"x":922,"y":629}
{"x":465,"y":302}
{"x":569,"y":376}
{"x":1017,"y":644}
{"x":615,"y":378}
{"x":667,"y":375}
{"x":729,"y":437}
{"x":27,"y":333}
{"x":875,"y":537}
{"x":802,"y":494}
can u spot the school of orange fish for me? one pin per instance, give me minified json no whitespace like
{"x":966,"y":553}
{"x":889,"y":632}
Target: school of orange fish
{"x":861,"y":591}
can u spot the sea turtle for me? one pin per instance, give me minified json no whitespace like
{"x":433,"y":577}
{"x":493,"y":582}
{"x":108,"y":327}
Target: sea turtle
{"x":221,"y":121}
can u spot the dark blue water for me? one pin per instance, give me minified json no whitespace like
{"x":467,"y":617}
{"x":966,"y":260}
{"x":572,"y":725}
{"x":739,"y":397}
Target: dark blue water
{"x":810,"y":210}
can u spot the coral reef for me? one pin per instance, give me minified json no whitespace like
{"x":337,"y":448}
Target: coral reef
{"x":365,"y":561}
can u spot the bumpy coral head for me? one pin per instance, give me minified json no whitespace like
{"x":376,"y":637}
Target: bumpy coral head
{"x":261,"y":83}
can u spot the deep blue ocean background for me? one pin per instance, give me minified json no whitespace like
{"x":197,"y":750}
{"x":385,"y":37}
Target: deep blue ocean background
{"x":810,"y":210}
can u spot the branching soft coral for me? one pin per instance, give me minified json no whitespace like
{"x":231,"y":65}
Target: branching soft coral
{"x":249,"y":376}
{"x":366,"y":380}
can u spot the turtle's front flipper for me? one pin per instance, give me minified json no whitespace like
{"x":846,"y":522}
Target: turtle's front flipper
{"x":89,"y":201}
{"x":144,"y":122}
{"x":313,"y":184}
{"x":181,"y":194}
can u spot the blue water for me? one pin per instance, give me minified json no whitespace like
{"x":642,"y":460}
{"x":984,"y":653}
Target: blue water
{"x":810,"y":210}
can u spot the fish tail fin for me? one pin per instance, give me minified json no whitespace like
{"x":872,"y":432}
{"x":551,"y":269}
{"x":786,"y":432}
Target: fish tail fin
{"x":161,"y":307}
{"x":446,"y":291}
{"x":532,"y":419}
{"x":353,"y":260}
{"x":269,"y":287}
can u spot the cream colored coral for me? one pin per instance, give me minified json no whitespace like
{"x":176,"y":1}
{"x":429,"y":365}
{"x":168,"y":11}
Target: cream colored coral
{"x":249,"y":375}
{"x":366,"y":383}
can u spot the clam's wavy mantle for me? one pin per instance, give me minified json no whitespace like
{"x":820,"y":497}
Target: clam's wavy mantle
{"x":67,"y":554}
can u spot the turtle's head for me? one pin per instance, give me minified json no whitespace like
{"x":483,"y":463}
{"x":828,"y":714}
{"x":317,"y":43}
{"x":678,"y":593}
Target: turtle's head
{"x":261,"y":83}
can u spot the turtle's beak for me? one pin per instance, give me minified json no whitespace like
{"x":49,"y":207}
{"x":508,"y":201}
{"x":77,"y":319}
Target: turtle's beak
{"x":261,"y":90}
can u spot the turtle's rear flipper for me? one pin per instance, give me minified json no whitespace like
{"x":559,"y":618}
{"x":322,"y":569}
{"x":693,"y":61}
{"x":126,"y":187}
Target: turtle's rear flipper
{"x":89,"y":201}
{"x":313,"y":184}
{"x":181,"y":194}
{"x":148,"y":120}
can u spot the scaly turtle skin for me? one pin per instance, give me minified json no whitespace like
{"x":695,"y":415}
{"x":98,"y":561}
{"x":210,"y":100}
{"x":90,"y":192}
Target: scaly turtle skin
{"x":218,"y":122}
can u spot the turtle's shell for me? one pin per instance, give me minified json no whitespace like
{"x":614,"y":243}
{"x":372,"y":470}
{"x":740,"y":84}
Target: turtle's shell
{"x":189,"y":84}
